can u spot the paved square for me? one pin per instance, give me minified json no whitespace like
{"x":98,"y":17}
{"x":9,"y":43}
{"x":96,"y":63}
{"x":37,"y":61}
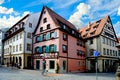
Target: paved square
{"x":18,"y":74}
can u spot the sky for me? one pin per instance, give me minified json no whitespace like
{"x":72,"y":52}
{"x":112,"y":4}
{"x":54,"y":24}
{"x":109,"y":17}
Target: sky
{"x":78,"y":12}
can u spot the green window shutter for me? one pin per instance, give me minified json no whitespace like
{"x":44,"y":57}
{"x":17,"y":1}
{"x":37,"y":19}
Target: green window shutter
{"x":48,"y":36}
{"x":40,"y":49}
{"x":47,"y":49}
{"x":55,"y":34}
{"x":40,"y":38}
{"x":55,"y":48}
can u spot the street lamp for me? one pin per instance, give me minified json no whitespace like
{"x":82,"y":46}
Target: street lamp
{"x":10,"y":54}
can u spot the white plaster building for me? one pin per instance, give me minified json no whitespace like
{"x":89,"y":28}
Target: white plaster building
{"x":18,"y":41}
{"x":101,"y":36}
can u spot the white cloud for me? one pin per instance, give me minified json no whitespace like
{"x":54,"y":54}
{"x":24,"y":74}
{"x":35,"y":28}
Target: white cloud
{"x":75,"y":18}
{"x":11,"y":20}
{"x":1,"y":1}
{"x":4,"y":10}
{"x":118,"y":11}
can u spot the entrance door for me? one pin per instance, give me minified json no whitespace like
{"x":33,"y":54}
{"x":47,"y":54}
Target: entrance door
{"x":92,"y":65}
{"x":37,"y":64}
{"x":52,"y":64}
{"x":29,"y":66}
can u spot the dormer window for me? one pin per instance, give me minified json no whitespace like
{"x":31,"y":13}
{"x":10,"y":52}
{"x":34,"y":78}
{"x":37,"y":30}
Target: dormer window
{"x":73,"y":32}
{"x":30,"y":25}
{"x":44,"y":20}
{"x":41,"y":29}
{"x":48,"y":26}
{"x":92,"y":33}
{"x":64,"y":27}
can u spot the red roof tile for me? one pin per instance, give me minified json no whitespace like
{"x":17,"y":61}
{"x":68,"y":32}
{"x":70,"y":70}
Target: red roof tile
{"x":95,"y":28}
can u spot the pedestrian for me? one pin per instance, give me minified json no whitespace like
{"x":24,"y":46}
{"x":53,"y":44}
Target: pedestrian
{"x":44,"y":67}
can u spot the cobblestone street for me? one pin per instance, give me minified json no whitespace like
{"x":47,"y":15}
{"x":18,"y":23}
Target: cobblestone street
{"x":18,"y":74}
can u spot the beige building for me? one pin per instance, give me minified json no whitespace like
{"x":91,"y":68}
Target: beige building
{"x":101,"y":36}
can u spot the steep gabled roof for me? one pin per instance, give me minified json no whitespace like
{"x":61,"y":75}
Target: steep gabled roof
{"x":94,"y":29}
{"x":55,"y":18}
{"x":18,"y":22}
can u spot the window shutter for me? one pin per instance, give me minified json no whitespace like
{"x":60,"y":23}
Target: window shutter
{"x":40,"y":49}
{"x":48,"y":36}
{"x":54,"y":48}
{"x":55,"y":34}
{"x":47,"y":49}
{"x":37,"y":39}
{"x":40,"y":38}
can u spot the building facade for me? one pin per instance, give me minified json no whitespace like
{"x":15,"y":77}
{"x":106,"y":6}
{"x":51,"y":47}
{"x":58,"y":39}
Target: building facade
{"x":58,"y":43}
{"x":101,"y":36}
{"x":18,"y":42}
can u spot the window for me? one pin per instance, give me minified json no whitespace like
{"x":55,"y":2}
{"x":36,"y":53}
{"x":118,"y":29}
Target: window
{"x":64,"y":65}
{"x":16,"y":48}
{"x":20,"y":47}
{"x":30,"y":25}
{"x":20,"y":35}
{"x":64,"y":48}
{"x":52,"y":64}
{"x":44,"y":49}
{"x":107,"y":51}
{"x":44,"y":20}
{"x":13,"y":48}
{"x":64,"y":36}
{"x":29,"y":47}
{"x":103,"y":39}
{"x":116,"y":53}
{"x":91,"y":41}
{"x":104,"y":51}
{"x":110,"y":52}
{"x":17,"y":37}
{"x":73,"y":32}
{"x":14,"y":38}
{"x":91,"y":52}
{"x":41,"y":29}
{"x":48,"y":26}
{"x":37,"y":50}
{"x":29,"y":35}
{"x":44,"y":37}
{"x":113,"y":53}
{"x":52,"y":48}
{"x":53,"y":35}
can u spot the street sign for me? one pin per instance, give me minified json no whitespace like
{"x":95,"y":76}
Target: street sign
{"x":96,"y":54}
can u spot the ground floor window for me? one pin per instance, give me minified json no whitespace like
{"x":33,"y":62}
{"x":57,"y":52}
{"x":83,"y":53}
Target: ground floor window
{"x":52,"y":64}
{"x":64,"y":65}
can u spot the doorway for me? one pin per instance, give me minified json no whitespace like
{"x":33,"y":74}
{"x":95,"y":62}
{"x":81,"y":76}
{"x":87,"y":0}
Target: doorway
{"x":37,"y":64}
